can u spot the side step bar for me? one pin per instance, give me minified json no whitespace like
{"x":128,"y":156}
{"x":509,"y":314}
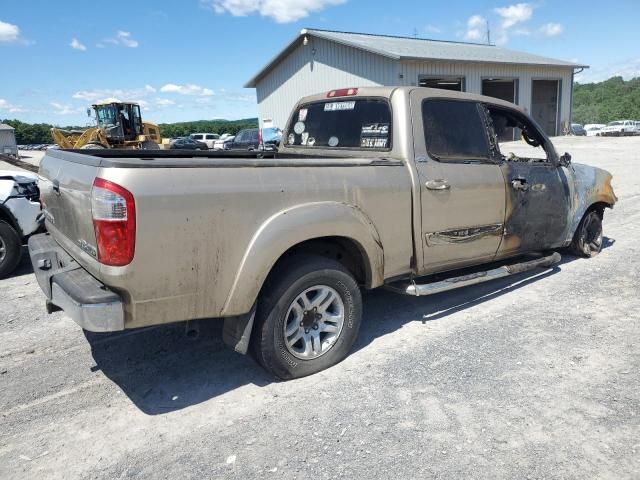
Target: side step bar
{"x":419,"y":290}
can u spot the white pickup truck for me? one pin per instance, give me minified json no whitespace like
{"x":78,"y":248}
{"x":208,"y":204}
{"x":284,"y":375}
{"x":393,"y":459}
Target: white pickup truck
{"x":401,"y":187}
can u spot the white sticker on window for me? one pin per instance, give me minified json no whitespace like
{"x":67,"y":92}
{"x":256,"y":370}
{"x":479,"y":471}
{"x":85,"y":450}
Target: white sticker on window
{"x":302,"y":115}
{"x":336,"y":106}
{"x":311,"y":142}
{"x":298,"y":128}
{"x":333,"y":142}
{"x":292,"y":139}
{"x":305,"y":137}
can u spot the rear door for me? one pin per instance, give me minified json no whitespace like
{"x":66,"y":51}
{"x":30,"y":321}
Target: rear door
{"x":462,"y":187}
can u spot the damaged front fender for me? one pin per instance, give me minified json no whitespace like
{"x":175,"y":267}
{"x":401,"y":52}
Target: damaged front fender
{"x":591,"y":186}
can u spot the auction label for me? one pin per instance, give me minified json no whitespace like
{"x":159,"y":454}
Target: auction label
{"x":336,"y":106}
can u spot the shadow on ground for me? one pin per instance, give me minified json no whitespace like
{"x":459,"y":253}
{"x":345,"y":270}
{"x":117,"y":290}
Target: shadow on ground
{"x":161,"y":370}
{"x":24,"y":267}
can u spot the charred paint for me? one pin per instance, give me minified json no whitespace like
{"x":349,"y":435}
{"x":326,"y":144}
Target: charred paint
{"x":537,"y":206}
{"x":591,"y":185}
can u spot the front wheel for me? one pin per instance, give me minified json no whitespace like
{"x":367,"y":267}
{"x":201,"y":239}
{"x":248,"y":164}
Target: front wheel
{"x":308,"y":317}
{"x":587,"y":241}
{"x":10,"y":249}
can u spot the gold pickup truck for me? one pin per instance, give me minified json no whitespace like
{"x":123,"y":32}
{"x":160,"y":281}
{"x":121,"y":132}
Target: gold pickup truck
{"x":406,"y":188}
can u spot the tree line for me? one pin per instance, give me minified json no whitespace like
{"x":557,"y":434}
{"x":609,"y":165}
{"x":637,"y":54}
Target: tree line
{"x":40,"y":133}
{"x":603,"y":102}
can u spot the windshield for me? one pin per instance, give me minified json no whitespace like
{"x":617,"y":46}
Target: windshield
{"x":106,"y":115}
{"x":357,"y":123}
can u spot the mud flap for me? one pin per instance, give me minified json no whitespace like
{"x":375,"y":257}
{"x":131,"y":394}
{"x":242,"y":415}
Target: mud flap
{"x":236,"y":332}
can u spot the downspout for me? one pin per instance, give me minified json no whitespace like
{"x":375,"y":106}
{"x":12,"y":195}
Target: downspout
{"x":573,"y":74}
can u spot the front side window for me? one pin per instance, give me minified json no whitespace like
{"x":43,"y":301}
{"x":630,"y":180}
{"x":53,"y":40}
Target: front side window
{"x":106,"y":115}
{"x":454,"y":130}
{"x":355,"y":123}
{"x":529,"y":143}
{"x":196,"y":137}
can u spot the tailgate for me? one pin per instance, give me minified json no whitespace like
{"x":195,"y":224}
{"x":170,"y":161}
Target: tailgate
{"x":66,"y":179}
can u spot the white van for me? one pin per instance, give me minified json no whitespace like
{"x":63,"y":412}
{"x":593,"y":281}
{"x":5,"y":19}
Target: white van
{"x":208,"y":138}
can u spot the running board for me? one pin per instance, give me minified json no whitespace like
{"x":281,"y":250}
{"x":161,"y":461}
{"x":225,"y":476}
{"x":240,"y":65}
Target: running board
{"x":419,"y":290}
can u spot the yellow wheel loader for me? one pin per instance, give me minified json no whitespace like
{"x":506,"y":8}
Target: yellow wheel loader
{"x":119,"y":125}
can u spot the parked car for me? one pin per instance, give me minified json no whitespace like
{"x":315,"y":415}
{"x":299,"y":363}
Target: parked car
{"x":19,"y":210}
{"x":219,"y":144}
{"x":208,"y":138}
{"x":373,"y":188}
{"x":255,"y":139}
{"x":578,"y":130}
{"x":594,"y":129}
{"x":619,"y":128}
{"x":188,"y":144}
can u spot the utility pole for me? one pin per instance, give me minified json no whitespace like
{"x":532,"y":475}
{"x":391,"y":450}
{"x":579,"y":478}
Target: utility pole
{"x":488,"y":34}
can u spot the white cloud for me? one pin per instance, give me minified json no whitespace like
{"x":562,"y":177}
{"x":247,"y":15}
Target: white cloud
{"x":9,"y":33}
{"x":101,"y":94}
{"x":551,"y":29}
{"x":476,"y":28}
{"x":64,"y":109}
{"x":9,"y":107}
{"x":627,"y":69}
{"x":282,"y":11}
{"x":187,"y":89}
{"x":433,"y":29}
{"x":122,"y":39}
{"x":76,"y":45}
{"x":164,"y":102}
{"x":514,"y":14}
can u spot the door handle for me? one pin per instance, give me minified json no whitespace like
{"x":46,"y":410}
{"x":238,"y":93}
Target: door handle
{"x":56,"y":187}
{"x":438,"y":184}
{"x":520,"y":184}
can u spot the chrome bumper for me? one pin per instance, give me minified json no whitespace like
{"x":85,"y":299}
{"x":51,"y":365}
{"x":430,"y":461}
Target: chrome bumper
{"x":69,"y":287}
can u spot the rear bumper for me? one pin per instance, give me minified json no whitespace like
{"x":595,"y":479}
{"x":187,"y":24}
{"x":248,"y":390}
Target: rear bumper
{"x":71,"y":288}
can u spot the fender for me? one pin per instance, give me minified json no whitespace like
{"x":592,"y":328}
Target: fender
{"x":292,"y":226}
{"x":591,"y":185}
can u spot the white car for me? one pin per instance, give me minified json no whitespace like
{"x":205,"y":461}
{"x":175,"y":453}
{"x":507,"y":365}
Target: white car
{"x":619,"y":128}
{"x":219,"y":144}
{"x":208,"y":138}
{"x":19,"y":211}
{"x":594,"y":129}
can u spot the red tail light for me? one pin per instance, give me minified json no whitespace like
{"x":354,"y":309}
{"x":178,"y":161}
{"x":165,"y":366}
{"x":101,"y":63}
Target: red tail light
{"x":114,"y":220}
{"x":343,"y":92}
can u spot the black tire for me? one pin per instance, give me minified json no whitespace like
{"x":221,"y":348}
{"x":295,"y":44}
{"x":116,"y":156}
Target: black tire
{"x":10,"y":249}
{"x":149,"y":145}
{"x":587,"y":240}
{"x":289,"y":280}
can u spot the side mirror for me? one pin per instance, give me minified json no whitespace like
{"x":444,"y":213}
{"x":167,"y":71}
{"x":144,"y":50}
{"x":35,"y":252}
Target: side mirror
{"x":565,"y":160}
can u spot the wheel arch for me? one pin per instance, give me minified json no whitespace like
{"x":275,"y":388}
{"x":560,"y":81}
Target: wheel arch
{"x":334,"y":229}
{"x":8,"y":217}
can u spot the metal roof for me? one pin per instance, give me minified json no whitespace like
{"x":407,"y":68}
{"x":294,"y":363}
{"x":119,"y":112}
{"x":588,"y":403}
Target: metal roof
{"x":409,"y":48}
{"x":4,"y":126}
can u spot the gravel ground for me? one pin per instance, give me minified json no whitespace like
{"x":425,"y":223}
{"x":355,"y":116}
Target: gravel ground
{"x":533,"y":377}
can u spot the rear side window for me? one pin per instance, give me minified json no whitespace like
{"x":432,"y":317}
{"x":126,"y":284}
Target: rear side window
{"x":362,"y":123}
{"x":196,"y":137}
{"x":454,"y":130}
{"x":211,"y":137}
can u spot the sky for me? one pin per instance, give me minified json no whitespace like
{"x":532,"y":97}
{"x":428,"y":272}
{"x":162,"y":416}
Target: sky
{"x":189,"y":60}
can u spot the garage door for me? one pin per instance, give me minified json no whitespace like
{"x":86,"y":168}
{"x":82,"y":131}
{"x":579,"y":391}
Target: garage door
{"x":504,"y":89}
{"x":544,"y":104}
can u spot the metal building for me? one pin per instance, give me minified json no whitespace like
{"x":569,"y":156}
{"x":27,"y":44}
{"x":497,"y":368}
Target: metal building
{"x":8,"y":144}
{"x":321,"y":60}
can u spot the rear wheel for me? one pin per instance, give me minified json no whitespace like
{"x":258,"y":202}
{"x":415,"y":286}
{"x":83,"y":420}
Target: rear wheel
{"x":149,"y":145}
{"x":308,"y":317}
{"x":587,"y":241}
{"x":10,"y":249}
